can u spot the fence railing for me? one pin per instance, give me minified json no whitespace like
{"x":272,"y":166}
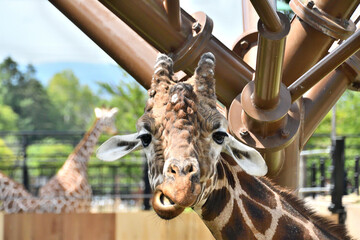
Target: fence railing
{"x":32,"y":158}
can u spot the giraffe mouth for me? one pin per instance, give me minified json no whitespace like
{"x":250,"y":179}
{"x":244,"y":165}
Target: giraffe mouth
{"x":165,"y":207}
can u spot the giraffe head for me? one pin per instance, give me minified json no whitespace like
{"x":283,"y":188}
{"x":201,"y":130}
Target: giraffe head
{"x":106,"y":118}
{"x":182,"y":134}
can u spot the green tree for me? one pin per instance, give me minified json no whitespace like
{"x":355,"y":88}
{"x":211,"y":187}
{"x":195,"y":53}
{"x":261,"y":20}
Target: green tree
{"x":74,"y":101}
{"x":7,"y":156}
{"x":347,"y":111}
{"x":130,"y":98}
{"x":26,"y":96}
{"x":8,"y":118}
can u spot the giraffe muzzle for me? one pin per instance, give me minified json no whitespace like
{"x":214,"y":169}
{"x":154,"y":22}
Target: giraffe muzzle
{"x":180,"y":189}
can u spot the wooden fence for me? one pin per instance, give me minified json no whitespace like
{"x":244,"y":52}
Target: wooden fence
{"x":105,"y":226}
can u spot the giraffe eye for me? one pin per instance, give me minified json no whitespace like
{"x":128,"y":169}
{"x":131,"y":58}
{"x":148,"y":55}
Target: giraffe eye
{"x":145,"y":139}
{"x":219,"y":137}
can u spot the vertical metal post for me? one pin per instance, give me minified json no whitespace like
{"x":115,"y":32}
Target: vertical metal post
{"x":313,"y":177}
{"x":356,"y":174}
{"x":147,"y":188}
{"x":25,"y":170}
{"x":337,"y":179}
{"x":322,"y":172}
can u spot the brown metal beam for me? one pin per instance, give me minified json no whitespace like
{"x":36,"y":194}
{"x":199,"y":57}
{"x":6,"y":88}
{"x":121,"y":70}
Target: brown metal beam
{"x":135,"y":55}
{"x":322,"y":97}
{"x":325,"y":66}
{"x":249,"y":16}
{"x":343,"y":10}
{"x":267,"y":15}
{"x":270,"y":55}
{"x":172,"y":8}
{"x":306,"y":45}
{"x":150,"y":21}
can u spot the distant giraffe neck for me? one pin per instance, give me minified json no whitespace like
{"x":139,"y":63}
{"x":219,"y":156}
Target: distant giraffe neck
{"x":78,"y":159}
{"x":244,"y":207}
{"x":85,"y":147}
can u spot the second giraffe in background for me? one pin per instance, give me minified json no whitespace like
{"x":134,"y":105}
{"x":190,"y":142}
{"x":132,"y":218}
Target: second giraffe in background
{"x":70,"y":186}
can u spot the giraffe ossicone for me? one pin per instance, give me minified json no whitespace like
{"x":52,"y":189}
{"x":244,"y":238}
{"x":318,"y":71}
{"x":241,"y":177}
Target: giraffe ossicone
{"x":194,"y":162}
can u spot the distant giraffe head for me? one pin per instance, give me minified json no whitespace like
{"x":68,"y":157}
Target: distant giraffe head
{"x":106,"y":116}
{"x":182,"y":134}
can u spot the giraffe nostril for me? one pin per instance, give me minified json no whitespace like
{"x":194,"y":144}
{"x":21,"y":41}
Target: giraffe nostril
{"x":172,"y":169}
{"x":181,"y":168}
{"x":191,"y":168}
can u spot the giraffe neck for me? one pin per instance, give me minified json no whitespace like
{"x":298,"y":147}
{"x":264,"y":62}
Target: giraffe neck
{"x":244,"y":207}
{"x":86,"y":146}
{"x":79,"y":157}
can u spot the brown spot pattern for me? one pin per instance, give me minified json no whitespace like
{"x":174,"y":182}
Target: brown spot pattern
{"x":229,"y":159}
{"x":220,"y":171}
{"x":288,"y":229}
{"x":215,"y":204}
{"x":229,"y":176}
{"x":236,"y":227}
{"x":259,"y":216}
{"x":257,"y":190}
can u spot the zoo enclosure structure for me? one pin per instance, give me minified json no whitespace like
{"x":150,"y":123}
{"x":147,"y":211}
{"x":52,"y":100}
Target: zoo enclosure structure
{"x":295,"y":83}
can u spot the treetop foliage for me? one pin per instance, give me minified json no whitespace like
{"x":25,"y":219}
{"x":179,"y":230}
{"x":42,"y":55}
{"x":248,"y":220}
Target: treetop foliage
{"x":64,"y":104}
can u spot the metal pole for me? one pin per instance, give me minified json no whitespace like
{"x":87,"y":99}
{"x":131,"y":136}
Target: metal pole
{"x":173,"y":10}
{"x":325,"y":66}
{"x":25,"y":170}
{"x":250,"y":17}
{"x":321,"y":98}
{"x":150,"y":21}
{"x":268,"y":15}
{"x":313,"y":177}
{"x":306,"y":45}
{"x":147,"y":188}
{"x":338,"y":177}
{"x":322,"y":172}
{"x":117,"y":39}
{"x":271,"y":46}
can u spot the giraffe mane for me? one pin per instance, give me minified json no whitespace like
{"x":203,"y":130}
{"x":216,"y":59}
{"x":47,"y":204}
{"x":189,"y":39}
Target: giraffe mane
{"x":298,"y":204}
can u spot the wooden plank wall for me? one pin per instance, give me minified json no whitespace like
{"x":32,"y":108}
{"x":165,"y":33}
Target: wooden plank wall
{"x":59,"y":226}
{"x":94,"y":226}
{"x":148,"y":226}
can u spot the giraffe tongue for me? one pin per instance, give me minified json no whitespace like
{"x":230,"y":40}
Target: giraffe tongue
{"x":165,"y":200}
{"x":164,"y":206}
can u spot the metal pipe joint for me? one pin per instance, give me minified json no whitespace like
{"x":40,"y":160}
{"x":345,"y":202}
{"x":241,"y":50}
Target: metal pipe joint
{"x":262,"y":116}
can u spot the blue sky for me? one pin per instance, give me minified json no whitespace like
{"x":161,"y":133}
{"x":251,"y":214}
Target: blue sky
{"x":34,"y":31}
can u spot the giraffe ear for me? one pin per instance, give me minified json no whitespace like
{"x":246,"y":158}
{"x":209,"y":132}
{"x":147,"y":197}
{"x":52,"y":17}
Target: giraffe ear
{"x":118,"y":146}
{"x":248,"y":158}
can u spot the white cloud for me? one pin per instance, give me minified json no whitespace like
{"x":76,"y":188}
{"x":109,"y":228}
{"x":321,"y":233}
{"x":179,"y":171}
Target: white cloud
{"x":34,"y":31}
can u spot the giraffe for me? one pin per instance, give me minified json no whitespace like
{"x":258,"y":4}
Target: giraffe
{"x":70,"y":185}
{"x":194,"y":162}
{"x":13,"y":196}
